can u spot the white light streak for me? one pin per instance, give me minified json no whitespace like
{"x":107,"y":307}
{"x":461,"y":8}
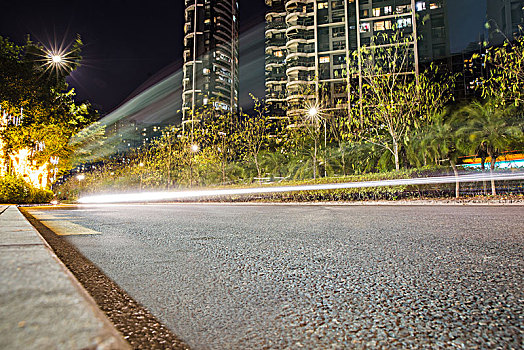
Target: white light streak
{"x":163,"y":196}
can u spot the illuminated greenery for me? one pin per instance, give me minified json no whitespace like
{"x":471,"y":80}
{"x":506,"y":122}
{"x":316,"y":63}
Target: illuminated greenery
{"x":407,"y":122}
{"x":16,"y":190}
{"x":32,"y":86}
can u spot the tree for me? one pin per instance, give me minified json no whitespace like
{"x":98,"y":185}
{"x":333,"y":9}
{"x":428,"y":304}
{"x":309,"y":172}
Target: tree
{"x":439,"y":141}
{"x":254,"y":131}
{"x":505,"y":80}
{"x":36,"y":89}
{"x":394,"y":99}
{"x":492,"y":127}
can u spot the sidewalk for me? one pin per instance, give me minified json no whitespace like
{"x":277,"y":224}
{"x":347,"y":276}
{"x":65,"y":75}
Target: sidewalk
{"x":42,"y":306}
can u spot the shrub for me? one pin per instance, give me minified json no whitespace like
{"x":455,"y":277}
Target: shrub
{"x":15,"y":190}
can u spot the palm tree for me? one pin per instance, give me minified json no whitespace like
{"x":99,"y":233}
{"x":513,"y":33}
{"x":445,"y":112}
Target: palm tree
{"x":440,"y":142}
{"x":490,"y":127}
{"x":274,"y":163}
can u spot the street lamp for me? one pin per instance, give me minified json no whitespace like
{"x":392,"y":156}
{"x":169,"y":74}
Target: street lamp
{"x":314,"y":116}
{"x":57,"y":59}
{"x":80,"y":177}
{"x":223,"y":151}
{"x":194,"y":149}
{"x":141,"y":165}
{"x":313,"y":112}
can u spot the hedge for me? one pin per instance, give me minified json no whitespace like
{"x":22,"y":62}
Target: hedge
{"x":15,"y":190}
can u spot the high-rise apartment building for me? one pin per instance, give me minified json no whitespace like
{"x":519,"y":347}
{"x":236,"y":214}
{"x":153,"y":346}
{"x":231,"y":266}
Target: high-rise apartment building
{"x":210,"y":56}
{"x":505,"y":18}
{"x":309,"y":43}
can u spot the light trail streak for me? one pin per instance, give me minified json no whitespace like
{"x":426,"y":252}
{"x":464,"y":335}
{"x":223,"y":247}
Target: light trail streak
{"x":163,"y":196}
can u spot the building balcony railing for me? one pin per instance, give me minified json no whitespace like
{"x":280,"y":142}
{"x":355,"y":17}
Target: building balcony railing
{"x":276,"y":25}
{"x":271,"y":81}
{"x":305,"y":63}
{"x":274,"y":60}
{"x":275,"y":42}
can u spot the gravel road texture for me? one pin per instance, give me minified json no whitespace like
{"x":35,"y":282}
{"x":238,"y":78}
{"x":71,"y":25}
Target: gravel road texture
{"x":289,"y":276}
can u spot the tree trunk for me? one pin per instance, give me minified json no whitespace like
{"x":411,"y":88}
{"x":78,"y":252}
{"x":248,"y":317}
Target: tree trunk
{"x":395,"y":153}
{"x":457,"y":183}
{"x":315,"y":160}
{"x":491,"y":168}
{"x":483,"y":169}
{"x":343,"y":161}
{"x":255,"y":158}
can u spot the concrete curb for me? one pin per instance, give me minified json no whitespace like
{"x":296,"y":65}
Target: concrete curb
{"x":42,"y":305}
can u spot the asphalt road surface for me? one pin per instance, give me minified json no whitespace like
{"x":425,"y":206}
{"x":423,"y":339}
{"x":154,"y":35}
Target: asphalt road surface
{"x":314,"y":276}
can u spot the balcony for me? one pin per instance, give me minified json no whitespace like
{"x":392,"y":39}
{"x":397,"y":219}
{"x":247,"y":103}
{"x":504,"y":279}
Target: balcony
{"x":271,"y":42}
{"x":276,"y":25}
{"x":274,"y":60}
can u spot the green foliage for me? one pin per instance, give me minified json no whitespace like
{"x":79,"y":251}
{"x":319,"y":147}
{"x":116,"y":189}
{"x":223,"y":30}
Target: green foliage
{"x":506,"y":73}
{"x":407,"y":122}
{"x":14,"y":190}
{"x":50,"y":114}
{"x":395,"y":100}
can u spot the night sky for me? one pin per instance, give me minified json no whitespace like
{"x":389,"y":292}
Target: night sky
{"x":131,"y":44}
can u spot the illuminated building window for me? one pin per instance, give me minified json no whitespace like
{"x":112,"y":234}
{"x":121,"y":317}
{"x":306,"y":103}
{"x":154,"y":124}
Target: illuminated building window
{"x":365,"y":27}
{"x":420,"y":6}
{"x":404,"y":22}
{"x":324,"y":59}
{"x":388,"y":10}
{"x":376,"y":12}
{"x":382,"y":25}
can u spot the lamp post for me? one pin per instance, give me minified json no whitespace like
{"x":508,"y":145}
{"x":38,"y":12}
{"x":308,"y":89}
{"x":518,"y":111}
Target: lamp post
{"x":141,"y":165}
{"x":313,"y":115}
{"x":223,"y":151}
{"x":194,"y":149}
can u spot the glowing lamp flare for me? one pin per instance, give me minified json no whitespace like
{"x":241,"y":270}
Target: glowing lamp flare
{"x":313,"y":111}
{"x":56,"y":58}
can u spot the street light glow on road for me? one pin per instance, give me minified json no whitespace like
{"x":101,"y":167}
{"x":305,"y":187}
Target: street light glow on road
{"x":163,"y":196}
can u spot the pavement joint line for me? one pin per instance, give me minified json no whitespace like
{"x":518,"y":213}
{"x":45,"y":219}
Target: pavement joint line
{"x":21,"y":245}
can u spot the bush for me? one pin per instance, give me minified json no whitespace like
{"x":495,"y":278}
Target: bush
{"x":15,"y":190}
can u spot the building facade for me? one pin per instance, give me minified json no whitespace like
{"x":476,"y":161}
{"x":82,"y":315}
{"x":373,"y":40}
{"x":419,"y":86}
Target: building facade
{"x":210,"y":56}
{"x":505,"y":19}
{"x":310,"y":44}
